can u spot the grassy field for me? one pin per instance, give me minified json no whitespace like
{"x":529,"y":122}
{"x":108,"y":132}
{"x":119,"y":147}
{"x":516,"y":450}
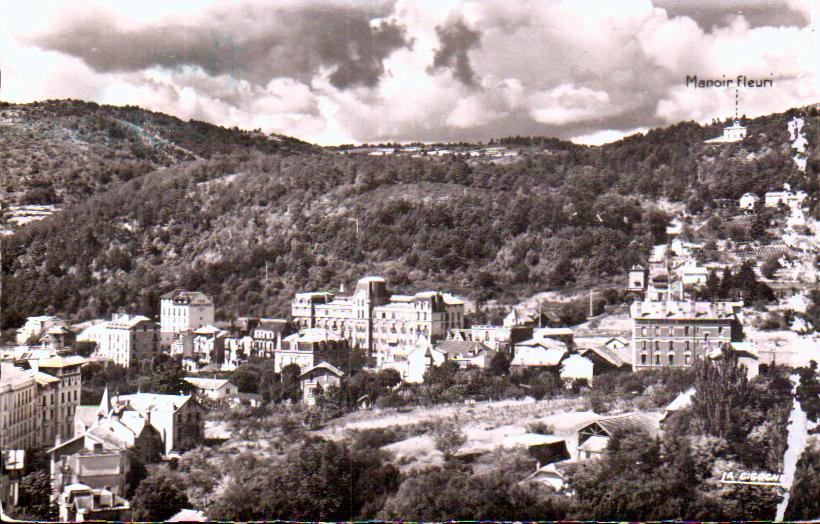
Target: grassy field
{"x":484,"y":425}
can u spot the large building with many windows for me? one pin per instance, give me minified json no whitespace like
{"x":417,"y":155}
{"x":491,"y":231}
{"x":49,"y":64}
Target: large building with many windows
{"x":125,"y":339}
{"x":18,"y":407}
{"x":182,"y":311}
{"x":676,"y":333}
{"x":378,"y":321}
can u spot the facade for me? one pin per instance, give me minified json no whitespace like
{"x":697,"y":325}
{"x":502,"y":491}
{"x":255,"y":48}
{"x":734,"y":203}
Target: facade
{"x":267,"y":336}
{"x":675,"y":333}
{"x":637,"y":278}
{"x":181,"y":311}
{"x":124,"y":339}
{"x":48,"y":389}
{"x":309,"y":347}
{"x":67,"y":395}
{"x":378,"y":321}
{"x":322,"y":375}
{"x":692,"y":274}
{"x":18,"y":407}
{"x":748,"y":202}
{"x":785,"y":197}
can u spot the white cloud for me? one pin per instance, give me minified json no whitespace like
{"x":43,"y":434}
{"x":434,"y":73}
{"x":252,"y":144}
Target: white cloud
{"x":571,"y":68}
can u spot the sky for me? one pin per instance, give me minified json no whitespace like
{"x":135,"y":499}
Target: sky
{"x":333,"y":72}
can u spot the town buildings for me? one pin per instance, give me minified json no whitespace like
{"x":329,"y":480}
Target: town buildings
{"x":36,"y":327}
{"x":124,"y":339}
{"x":182,"y":311}
{"x":676,"y":333}
{"x":497,"y":338}
{"x":309,"y":347}
{"x":179,"y":419}
{"x":378,"y":321}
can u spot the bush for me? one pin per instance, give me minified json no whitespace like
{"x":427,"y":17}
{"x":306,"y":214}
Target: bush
{"x":540,"y":427}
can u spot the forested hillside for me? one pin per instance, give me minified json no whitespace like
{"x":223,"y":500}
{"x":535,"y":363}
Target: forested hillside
{"x":224,"y":213}
{"x":64,"y":150}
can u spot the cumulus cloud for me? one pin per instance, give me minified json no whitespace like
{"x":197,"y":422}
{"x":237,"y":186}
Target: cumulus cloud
{"x":456,"y":41}
{"x":352,"y":71}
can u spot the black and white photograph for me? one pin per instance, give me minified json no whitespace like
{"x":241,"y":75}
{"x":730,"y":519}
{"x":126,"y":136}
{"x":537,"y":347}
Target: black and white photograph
{"x":409,"y":260}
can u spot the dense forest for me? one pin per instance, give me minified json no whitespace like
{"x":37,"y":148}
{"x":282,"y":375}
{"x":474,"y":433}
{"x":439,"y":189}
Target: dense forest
{"x":252,"y":219}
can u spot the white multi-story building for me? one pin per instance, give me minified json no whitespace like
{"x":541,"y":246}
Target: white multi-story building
{"x":124,"y":339}
{"x":377,"y":321}
{"x":182,"y":311}
{"x":18,"y":407}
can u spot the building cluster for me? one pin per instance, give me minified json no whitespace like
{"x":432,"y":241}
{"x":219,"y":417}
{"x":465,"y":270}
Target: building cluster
{"x":669,"y":328}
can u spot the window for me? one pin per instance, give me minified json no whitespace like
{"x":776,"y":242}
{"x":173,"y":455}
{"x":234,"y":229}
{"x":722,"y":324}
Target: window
{"x":643,"y":345}
{"x":671,"y":360}
{"x":686,"y":359}
{"x":687,"y":345}
{"x":657,"y":360}
{"x":671,"y":346}
{"x":643,"y":331}
{"x":657,"y":331}
{"x":720,"y":330}
{"x":686,"y":331}
{"x":643,"y":359}
{"x":657,"y":345}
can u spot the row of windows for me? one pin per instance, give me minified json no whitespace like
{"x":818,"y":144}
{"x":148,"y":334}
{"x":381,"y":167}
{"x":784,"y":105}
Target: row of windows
{"x":670,"y":360}
{"x":669,"y":331}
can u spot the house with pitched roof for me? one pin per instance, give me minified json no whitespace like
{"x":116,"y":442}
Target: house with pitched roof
{"x":319,"y":377}
{"x":466,"y":353}
{"x":212,"y":388}
{"x":539,"y":352}
{"x":593,"y":438}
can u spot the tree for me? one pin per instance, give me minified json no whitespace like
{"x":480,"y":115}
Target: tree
{"x":721,"y":393}
{"x":500,"y":363}
{"x":34,"y":503}
{"x":804,"y":504}
{"x":315,"y":481}
{"x":159,"y":496}
{"x":712,"y":285}
{"x":770,"y":267}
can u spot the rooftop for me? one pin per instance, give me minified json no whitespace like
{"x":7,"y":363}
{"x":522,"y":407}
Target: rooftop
{"x":207,"y":383}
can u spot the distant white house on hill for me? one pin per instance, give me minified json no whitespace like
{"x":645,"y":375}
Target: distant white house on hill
{"x":732,"y":133}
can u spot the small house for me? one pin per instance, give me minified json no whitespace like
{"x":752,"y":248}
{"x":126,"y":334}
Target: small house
{"x":321,"y":377}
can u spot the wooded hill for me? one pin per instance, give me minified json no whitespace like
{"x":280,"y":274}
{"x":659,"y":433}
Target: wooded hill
{"x":252,"y":219}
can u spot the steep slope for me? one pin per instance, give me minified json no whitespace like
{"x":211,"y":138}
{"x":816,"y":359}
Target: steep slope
{"x":62,"y":151}
{"x":252,"y":227}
